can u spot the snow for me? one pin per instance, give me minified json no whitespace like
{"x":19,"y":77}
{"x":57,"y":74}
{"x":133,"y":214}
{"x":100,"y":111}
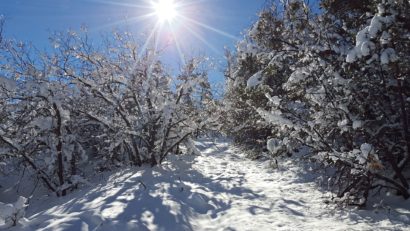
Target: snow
{"x":342,"y":123}
{"x":8,"y":84}
{"x":366,"y":149}
{"x":12,"y":213}
{"x":255,"y":80}
{"x":220,"y":189}
{"x":246,"y":48}
{"x":385,"y":38}
{"x":357,"y":124}
{"x":275,"y":100}
{"x":388,"y":55}
{"x":296,"y":77}
{"x":273,"y":145}
{"x":6,"y":210}
{"x":275,"y":117}
{"x":364,"y":46}
{"x":44,"y":123}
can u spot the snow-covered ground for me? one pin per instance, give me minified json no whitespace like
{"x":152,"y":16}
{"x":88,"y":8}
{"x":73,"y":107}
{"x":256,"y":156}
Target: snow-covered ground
{"x":217,"y":190}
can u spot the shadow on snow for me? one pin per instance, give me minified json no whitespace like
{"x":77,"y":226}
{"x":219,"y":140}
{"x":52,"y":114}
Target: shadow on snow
{"x":161,"y":198}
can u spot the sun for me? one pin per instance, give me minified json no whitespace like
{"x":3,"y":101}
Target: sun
{"x":165,"y":10}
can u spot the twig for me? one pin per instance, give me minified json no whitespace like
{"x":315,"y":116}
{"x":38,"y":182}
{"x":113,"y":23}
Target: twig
{"x":145,"y":187}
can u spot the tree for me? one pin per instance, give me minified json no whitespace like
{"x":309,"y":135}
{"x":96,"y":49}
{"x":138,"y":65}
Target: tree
{"x":82,"y":105}
{"x":335,"y":86}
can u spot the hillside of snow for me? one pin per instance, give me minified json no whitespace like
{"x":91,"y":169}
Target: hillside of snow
{"x":218,"y":190}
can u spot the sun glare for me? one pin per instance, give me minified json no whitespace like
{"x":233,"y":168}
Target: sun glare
{"x":168,"y":20}
{"x":165,"y":10}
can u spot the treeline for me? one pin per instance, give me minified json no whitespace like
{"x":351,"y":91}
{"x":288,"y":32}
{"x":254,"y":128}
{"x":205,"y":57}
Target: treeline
{"x":81,"y":108}
{"x":333,"y":82}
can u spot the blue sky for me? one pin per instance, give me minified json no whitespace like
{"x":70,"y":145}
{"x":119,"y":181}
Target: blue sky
{"x":215,"y":23}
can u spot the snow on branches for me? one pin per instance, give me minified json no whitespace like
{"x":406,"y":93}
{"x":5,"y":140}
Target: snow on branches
{"x":313,"y":82}
{"x":81,"y":107}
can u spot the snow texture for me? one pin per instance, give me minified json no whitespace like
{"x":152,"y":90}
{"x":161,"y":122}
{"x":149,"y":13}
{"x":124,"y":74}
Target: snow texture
{"x":364,"y":45}
{"x":217,"y":190}
{"x":11,"y":214}
{"x":273,"y":145}
{"x":255,"y":80}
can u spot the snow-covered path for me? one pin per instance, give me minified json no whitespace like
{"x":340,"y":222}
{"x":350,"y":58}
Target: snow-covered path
{"x":260,"y":198}
{"x":218,"y":190}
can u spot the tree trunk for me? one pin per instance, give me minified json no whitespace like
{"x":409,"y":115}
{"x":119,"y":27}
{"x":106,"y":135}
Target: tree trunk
{"x":59,"y":148}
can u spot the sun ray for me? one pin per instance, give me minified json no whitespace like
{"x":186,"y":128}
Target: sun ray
{"x":181,"y":56}
{"x":169,"y":13}
{"x":153,"y":32}
{"x":210,"y":28}
{"x":141,"y":6}
{"x":198,"y":36}
{"x":125,"y":21}
{"x":189,"y":3}
{"x":158,"y":36}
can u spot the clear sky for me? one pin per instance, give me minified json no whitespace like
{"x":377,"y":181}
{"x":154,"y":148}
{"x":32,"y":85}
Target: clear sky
{"x":204,"y":26}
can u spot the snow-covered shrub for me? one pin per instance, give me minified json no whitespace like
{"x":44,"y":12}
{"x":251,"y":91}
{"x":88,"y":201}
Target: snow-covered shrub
{"x":10,"y":214}
{"x":337,"y":84}
{"x":244,"y":90}
{"x":82,"y":106}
